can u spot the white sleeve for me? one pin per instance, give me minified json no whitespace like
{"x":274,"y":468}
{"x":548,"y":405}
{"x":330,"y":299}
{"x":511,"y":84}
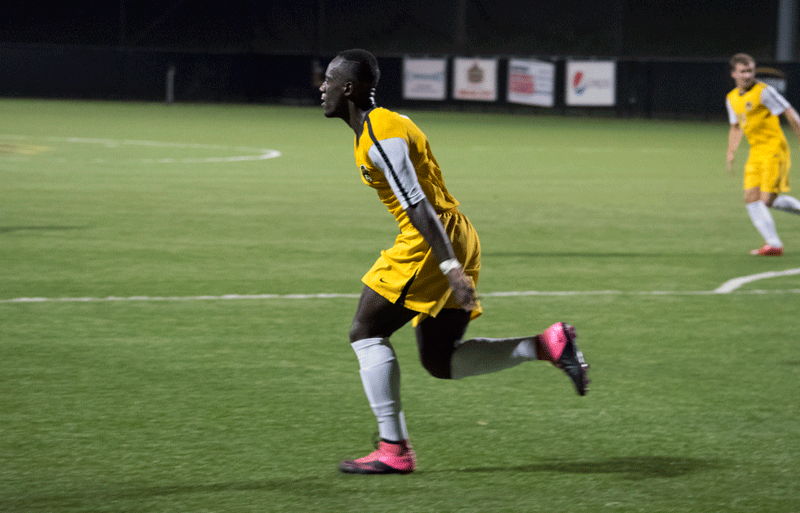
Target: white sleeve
{"x":392,"y":157}
{"x":731,"y":115}
{"x":773,"y":100}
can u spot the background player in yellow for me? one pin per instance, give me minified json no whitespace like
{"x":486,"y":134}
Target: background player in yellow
{"x":429,"y":275}
{"x":753,"y":110}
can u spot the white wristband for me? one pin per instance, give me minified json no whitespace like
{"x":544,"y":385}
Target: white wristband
{"x":449,"y":265}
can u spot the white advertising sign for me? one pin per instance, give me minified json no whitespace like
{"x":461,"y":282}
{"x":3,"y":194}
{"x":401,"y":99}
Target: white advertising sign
{"x":475,"y":79}
{"x":424,"y":79}
{"x":531,"y":82}
{"x":591,"y":83}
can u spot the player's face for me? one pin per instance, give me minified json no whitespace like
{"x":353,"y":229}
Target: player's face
{"x":333,"y":89}
{"x":744,"y":75}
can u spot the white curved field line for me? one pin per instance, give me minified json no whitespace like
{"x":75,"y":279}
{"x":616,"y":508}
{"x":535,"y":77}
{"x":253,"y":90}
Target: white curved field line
{"x":243,"y":153}
{"x":726,"y":288}
{"x":735,"y":283}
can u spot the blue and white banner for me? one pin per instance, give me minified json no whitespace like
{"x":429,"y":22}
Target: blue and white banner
{"x":591,"y":83}
{"x":531,"y":82}
{"x":424,"y":79}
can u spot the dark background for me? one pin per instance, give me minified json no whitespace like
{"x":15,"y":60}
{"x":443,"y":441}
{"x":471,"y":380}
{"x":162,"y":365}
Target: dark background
{"x":623,"y":28}
{"x":671,"y":55}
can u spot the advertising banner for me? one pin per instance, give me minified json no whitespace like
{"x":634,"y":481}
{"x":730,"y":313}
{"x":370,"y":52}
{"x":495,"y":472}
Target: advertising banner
{"x":531,"y":82}
{"x":424,"y":79}
{"x":475,"y":79}
{"x":591,"y":83}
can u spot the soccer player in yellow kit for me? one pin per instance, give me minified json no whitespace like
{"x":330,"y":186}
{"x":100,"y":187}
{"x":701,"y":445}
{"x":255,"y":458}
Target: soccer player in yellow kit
{"x":428,"y":276}
{"x":753,"y":110}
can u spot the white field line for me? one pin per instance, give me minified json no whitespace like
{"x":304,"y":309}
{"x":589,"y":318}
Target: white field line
{"x":527,"y":293}
{"x":728,"y":287}
{"x":735,"y":283}
{"x":249,"y":153}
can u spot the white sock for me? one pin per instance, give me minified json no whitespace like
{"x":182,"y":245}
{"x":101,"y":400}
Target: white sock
{"x":485,"y":355}
{"x":787,"y":204}
{"x":762,"y":220}
{"x":380,"y":375}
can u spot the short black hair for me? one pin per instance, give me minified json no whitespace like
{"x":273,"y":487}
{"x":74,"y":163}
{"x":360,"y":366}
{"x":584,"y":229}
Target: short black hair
{"x":365,"y":66}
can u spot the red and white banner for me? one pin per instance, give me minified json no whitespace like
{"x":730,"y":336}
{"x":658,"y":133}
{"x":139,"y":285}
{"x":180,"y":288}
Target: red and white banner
{"x":591,"y":83}
{"x":424,"y":79}
{"x":531,"y":82}
{"x":475,"y":79}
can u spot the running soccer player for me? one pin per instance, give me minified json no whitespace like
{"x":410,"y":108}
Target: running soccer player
{"x":753,"y":110}
{"x":428,"y":276}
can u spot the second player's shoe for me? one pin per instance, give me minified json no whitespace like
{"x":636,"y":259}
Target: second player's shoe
{"x":388,"y":458}
{"x":767,"y":250}
{"x":559,"y":347}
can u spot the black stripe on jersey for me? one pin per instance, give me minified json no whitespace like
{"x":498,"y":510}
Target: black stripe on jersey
{"x":403,"y":192}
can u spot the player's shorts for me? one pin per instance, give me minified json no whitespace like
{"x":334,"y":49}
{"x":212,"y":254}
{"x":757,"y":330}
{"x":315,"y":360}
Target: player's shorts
{"x":408,"y":273}
{"x":768,"y":171}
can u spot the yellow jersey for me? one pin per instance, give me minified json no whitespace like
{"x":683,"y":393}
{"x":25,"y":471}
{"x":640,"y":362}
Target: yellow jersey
{"x":756,"y":111}
{"x":395,"y":158}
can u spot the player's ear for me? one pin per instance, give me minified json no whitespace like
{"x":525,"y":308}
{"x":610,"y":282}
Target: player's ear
{"x":348,"y":88}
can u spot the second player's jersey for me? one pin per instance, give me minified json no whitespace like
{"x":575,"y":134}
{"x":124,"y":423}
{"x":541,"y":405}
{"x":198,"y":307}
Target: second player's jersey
{"x":756,"y":111}
{"x":394,"y":158}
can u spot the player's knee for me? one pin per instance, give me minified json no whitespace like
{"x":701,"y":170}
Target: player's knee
{"x":437,"y":365}
{"x":357,"y":332}
{"x":752,"y":195}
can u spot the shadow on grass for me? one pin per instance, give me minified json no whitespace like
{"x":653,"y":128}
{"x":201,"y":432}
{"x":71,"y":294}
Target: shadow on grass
{"x":642,"y":467}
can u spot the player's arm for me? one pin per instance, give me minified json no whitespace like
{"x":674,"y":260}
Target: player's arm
{"x":734,"y":135}
{"x":734,"y":139}
{"x":778,"y":105}
{"x":427,"y":222}
{"x":794,"y":121}
{"x":392,"y":156}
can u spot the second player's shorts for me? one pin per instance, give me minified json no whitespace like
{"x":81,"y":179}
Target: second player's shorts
{"x":768,"y":171}
{"x":409,"y":273}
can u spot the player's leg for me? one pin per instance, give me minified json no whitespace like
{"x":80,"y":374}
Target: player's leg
{"x":765,"y":178}
{"x":786,"y":203}
{"x":775,"y":196}
{"x":375,"y":320}
{"x":763,"y":221}
{"x":445,"y":354}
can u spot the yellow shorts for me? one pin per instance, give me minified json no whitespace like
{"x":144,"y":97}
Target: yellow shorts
{"x":768,"y":171}
{"x":409,"y":271}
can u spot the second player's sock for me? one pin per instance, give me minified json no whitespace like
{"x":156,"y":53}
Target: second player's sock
{"x":762,"y":220}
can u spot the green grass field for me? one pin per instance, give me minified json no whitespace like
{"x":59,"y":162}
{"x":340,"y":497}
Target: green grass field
{"x":137,"y":383}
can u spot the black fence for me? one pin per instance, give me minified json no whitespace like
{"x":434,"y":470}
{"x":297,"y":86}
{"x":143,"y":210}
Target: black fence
{"x":644,"y":87}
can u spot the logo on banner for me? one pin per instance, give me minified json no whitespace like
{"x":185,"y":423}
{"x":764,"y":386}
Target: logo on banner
{"x":475,"y":74}
{"x":475,"y":79}
{"x":521,"y":82}
{"x":579,"y":83}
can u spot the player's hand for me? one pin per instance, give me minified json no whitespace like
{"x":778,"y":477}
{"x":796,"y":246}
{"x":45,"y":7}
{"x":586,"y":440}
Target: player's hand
{"x":463,"y":289}
{"x":730,"y":158}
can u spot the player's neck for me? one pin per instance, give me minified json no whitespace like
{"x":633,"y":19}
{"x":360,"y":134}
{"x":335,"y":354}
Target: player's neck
{"x":358,"y":117}
{"x":744,"y":89}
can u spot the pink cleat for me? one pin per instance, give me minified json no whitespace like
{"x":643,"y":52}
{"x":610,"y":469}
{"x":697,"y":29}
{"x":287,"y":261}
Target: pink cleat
{"x":387,"y":459}
{"x":558,"y":346}
{"x":767,"y":250}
